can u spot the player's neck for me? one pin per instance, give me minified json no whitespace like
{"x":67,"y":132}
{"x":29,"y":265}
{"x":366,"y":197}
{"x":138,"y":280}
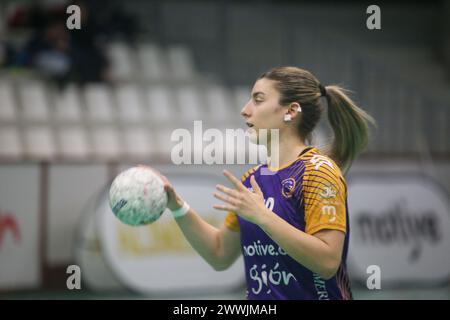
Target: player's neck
{"x":288,"y":149}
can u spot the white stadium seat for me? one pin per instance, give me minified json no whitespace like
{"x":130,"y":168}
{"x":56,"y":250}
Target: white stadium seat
{"x":129,"y":103}
{"x":10,"y":146}
{"x":34,"y":101}
{"x":160,"y":104}
{"x":8,"y":108}
{"x":67,"y":105}
{"x":99,"y":103}
{"x":106,"y":142}
{"x":152,"y":63}
{"x":138,"y":142}
{"x":164,"y":144}
{"x":40,"y":142}
{"x":218,"y":103}
{"x":73,"y":142}
{"x":180,"y":61}
{"x":122,"y":61}
{"x":189,"y":104}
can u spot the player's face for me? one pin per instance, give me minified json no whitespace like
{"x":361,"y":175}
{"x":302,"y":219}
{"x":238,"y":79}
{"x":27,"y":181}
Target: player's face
{"x":263,"y":110}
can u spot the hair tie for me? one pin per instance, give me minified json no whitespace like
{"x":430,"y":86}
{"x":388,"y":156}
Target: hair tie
{"x":323,"y":90}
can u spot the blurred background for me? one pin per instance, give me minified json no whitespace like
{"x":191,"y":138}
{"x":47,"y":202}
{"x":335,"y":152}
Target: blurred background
{"x":78,"y":106}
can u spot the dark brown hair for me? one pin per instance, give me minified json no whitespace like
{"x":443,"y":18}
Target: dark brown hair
{"x":348,"y":121}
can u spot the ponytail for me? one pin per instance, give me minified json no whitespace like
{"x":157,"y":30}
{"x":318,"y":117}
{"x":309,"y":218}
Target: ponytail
{"x":350,"y":125}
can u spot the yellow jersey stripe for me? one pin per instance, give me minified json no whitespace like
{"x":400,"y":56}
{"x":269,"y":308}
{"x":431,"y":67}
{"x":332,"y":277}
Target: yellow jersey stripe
{"x":232,"y":222}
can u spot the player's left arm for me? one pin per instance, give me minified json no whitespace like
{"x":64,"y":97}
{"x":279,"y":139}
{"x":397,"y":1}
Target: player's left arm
{"x":319,"y":248}
{"x":320,"y":252}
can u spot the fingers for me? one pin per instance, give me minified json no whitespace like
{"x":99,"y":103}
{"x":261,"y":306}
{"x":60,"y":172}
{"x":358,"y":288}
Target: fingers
{"x":169,"y":189}
{"x":255,"y":185}
{"x":225,"y":207}
{"x":235,"y":181}
{"x":228,"y":191}
{"x":167,"y":185}
{"x":163,"y":178}
{"x":228,"y":199}
{"x":231,"y":198}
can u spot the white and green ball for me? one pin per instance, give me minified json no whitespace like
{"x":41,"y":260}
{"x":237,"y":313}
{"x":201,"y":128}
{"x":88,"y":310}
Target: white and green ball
{"x":137,"y":196}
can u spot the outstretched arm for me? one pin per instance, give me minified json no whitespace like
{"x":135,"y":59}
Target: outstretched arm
{"x":220,"y":247}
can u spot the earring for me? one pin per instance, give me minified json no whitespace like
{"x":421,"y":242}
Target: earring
{"x":299,"y":109}
{"x":287,"y":117}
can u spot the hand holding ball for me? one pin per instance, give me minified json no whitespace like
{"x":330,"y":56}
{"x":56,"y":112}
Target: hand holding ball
{"x":137,"y":196}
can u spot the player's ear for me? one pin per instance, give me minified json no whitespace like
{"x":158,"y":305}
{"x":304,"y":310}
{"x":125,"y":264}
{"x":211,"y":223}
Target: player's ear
{"x":293,"y":111}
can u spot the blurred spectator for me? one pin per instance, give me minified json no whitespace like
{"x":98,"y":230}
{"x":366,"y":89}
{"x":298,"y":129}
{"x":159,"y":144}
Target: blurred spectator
{"x":107,"y":21}
{"x":58,"y":53}
{"x":48,"y":50}
{"x":445,"y":37}
{"x":7,"y":54}
{"x":70,"y":55}
{"x":89,"y":60}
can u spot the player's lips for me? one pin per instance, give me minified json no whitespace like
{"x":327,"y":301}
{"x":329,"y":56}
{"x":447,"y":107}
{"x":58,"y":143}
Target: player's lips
{"x":249,"y":124}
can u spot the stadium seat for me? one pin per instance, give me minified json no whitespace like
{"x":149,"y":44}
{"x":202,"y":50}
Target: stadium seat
{"x":189,"y":103}
{"x":8,"y":108}
{"x":138,"y":143}
{"x":40,"y":142}
{"x":10,"y":146}
{"x":219,"y":106}
{"x":122,"y":58}
{"x":164,"y":144}
{"x":160,"y":104}
{"x":34,"y":101}
{"x":67,"y":105}
{"x":99,"y":103}
{"x":106,"y":142}
{"x":73,"y":142}
{"x":180,"y":62}
{"x":152,"y":63}
{"x":129,"y":103}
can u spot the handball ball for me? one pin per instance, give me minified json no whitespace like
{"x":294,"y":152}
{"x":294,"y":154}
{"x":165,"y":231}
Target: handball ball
{"x":137,"y":196}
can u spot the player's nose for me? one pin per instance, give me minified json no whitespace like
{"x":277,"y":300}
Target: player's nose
{"x":246,"y":112}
